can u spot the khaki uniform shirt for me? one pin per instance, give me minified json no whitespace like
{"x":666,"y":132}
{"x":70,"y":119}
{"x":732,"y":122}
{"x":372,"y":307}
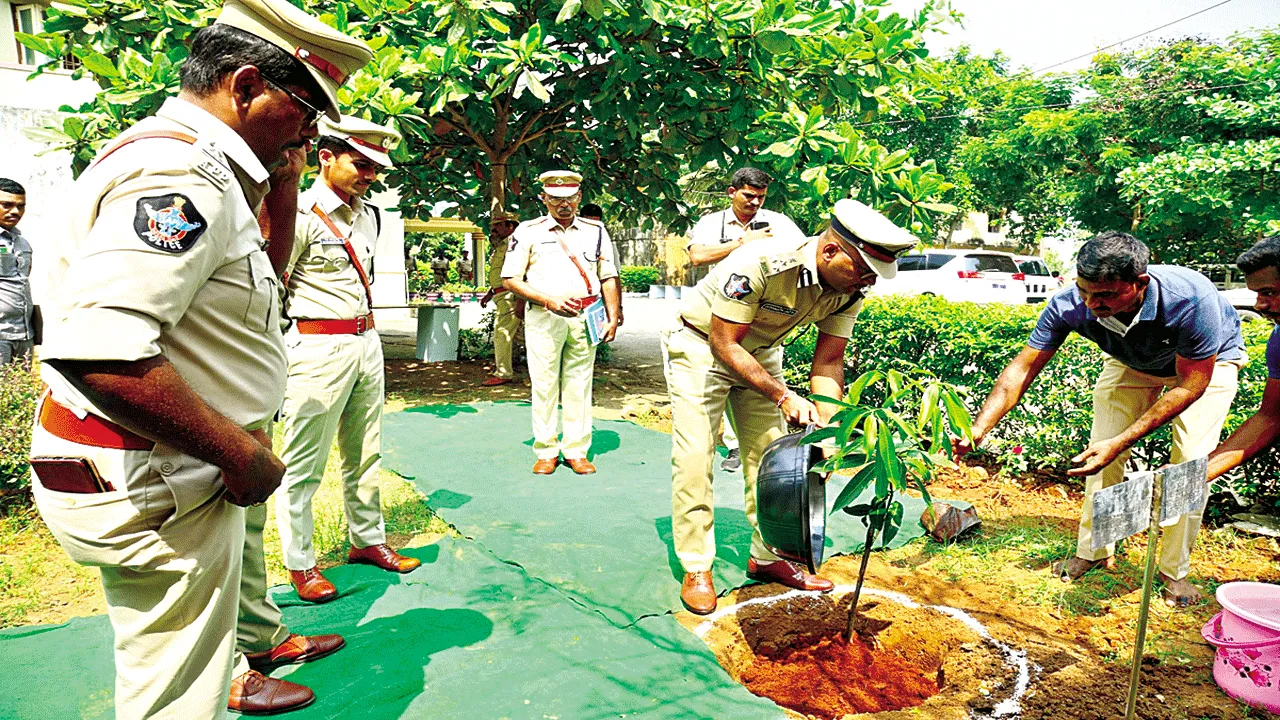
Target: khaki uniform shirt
{"x":534,"y":254}
{"x":496,"y":259}
{"x":163,"y":256}
{"x":774,"y":285}
{"x":323,"y":284}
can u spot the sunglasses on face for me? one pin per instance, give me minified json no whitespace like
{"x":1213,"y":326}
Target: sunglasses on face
{"x":311,"y":113}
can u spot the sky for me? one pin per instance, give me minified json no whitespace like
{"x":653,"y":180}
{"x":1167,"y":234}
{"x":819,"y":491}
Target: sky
{"x":1038,"y":33}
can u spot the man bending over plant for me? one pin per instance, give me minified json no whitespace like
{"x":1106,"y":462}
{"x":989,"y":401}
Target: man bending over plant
{"x":1174,"y":352}
{"x":729,"y":351}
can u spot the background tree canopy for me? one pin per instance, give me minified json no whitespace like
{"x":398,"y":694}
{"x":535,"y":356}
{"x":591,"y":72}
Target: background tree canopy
{"x":637,"y":96}
{"x":1179,"y":143}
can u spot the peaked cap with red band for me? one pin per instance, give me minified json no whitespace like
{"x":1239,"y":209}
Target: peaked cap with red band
{"x":560,"y":183}
{"x":330,"y":56}
{"x":370,"y":139}
{"x":877,"y":239}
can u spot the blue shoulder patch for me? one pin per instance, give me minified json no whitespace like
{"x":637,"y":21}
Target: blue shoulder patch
{"x":171,"y":223}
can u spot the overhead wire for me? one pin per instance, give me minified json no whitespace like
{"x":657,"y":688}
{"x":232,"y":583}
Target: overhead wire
{"x":1047,"y":106}
{"x":1095,"y":51}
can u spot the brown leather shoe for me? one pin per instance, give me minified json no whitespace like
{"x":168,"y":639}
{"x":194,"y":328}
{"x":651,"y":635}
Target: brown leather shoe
{"x":384,"y":557}
{"x":256,"y":694}
{"x":496,"y":381}
{"x":312,"y":586}
{"x":698,"y":593}
{"x":787,"y":573}
{"x":582,"y":466}
{"x":545,"y":466}
{"x":295,"y":649}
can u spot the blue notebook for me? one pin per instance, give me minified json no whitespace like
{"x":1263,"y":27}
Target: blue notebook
{"x":597,"y":318}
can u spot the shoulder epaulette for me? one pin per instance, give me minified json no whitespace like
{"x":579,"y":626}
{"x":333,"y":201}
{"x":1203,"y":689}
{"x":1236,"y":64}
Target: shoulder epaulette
{"x":781,"y":262}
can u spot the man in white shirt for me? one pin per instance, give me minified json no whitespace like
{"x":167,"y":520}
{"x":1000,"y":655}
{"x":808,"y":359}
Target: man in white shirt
{"x":721,"y":232}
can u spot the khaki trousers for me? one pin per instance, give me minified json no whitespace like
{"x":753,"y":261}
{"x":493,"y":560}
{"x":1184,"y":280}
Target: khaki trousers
{"x":260,"y":626}
{"x":700,"y":387}
{"x":335,"y":388}
{"x":1120,"y":397}
{"x":505,"y":327}
{"x":169,"y":549}
{"x":561,"y":362}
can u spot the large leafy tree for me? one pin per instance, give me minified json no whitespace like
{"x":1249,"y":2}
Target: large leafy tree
{"x":1179,"y":143}
{"x":490,"y":93}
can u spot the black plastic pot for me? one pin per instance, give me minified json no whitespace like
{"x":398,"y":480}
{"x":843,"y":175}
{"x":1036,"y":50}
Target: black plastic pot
{"x":791,"y":501}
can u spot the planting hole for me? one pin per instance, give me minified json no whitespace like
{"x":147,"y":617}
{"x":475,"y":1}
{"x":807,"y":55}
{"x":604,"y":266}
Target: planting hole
{"x":792,"y":650}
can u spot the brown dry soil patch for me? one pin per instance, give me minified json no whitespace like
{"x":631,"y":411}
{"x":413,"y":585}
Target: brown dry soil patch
{"x":1079,"y":638}
{"x":618,"y":393}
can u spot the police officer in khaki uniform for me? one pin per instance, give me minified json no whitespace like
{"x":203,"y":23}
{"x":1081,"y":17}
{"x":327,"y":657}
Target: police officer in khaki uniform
{"x":506,"y":318}
{"x":728,"y":351}
{"x":561,"y":264}
{"x":719,"y":233}
{"x":336,"y":379}
{"x":164,"y":358}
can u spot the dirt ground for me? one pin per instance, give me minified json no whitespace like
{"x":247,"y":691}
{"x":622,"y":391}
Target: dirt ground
{"x":1079,"y":641}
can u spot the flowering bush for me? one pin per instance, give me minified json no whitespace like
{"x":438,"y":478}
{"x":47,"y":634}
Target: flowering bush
{"x":968,"y":345}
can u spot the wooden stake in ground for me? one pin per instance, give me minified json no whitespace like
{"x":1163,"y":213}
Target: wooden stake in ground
{"x":1145,"y":501}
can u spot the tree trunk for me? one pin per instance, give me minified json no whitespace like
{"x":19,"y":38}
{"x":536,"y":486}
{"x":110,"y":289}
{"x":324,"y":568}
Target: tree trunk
{"x":497,"y":187}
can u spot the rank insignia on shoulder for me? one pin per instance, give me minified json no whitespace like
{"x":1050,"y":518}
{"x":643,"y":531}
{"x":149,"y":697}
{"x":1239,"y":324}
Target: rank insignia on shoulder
{"x":169,"y":222}
{"x":737,"y":286}
{"x":775,"y":264}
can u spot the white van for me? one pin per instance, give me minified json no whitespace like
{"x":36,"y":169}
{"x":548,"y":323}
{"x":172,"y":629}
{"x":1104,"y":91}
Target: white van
{"x":1041,"y":282}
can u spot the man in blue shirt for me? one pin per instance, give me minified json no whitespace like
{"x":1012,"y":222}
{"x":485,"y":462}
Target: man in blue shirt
{"x":1175,"y":351}
{"x":1261,"y":265}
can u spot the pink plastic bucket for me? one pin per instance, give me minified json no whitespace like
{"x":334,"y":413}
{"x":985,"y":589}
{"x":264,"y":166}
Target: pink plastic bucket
{"x":1247,"y":636}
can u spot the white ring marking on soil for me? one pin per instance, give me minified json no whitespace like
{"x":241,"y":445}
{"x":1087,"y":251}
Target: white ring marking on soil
{"x":1013,"y":657}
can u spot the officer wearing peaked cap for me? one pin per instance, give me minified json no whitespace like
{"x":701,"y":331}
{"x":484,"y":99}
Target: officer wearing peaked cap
{"x":728,"y":351}
{"x":336,"y":380}
{"x":562,"y":264}
{"x":165,"y":362}
{"x":508,"y":309}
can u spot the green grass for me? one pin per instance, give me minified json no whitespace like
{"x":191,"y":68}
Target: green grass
{"x":1027,"y":547}
{"x":36,"y":576}
{"x":409,"y":520}
{"x":39,"y":583}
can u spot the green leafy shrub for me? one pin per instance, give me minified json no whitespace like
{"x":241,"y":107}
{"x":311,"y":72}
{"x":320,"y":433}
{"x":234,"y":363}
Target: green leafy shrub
{"x":638,"y":278}
{"x":968,"y":345}
{"x":477,"y":344}
{"x":20,"y":389}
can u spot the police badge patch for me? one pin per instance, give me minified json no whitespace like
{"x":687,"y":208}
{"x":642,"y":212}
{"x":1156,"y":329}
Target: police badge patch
{"x":737,"y":286}
{"x":169,"y":222}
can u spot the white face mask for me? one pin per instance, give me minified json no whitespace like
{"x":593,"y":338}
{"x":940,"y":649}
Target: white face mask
{"x":1114,"y":325}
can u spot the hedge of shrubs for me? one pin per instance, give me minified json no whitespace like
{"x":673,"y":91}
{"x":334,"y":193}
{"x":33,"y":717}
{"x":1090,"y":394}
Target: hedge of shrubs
{"x":638,"y":278}
{"x":20,"y":388}
{"x":968,"y":345}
